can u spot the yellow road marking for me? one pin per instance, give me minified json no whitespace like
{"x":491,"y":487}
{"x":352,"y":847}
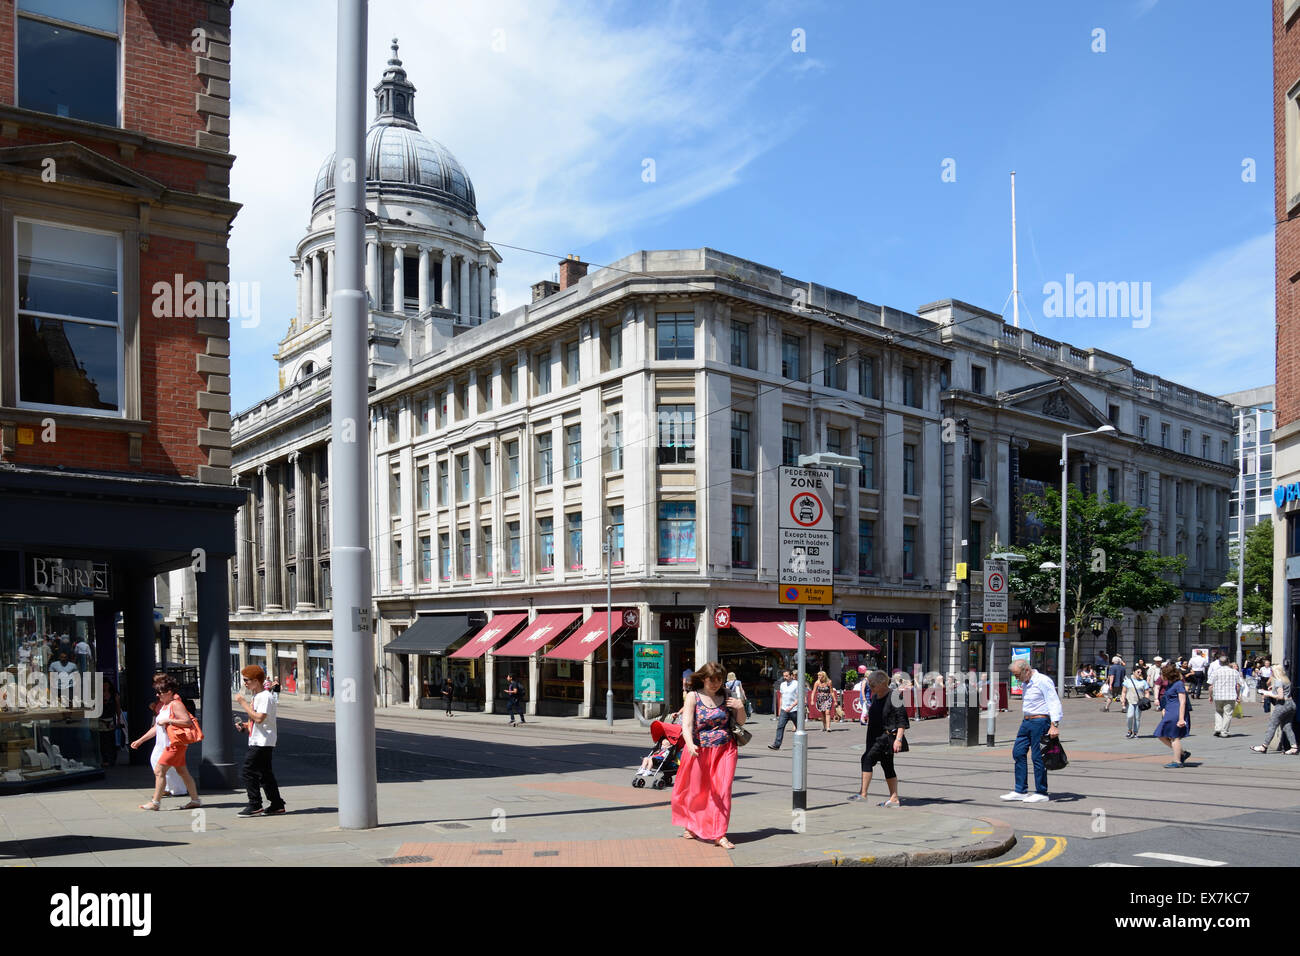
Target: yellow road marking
{"x":1037,"y":844}
{"x":981,"y":830}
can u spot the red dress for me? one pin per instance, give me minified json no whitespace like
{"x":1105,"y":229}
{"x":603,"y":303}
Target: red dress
{"x":702,"y":789}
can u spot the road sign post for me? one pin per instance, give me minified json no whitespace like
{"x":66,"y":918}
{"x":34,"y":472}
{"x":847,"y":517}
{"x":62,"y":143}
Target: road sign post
{"x":995,"y":622}
{"x":806,"y":534}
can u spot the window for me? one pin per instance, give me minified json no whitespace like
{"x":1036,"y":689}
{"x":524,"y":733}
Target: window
{"x":516,"y":552}
{"x":867,"y":456}
{"x":544,"y":462}
{"x":740,"y":441}
{"x":1205,"y":447}
{"x":70,"y":345}
{"x":463,"y":535}
{"x":910,"y":394}
{"x":740,"y":344}
{"x":485,"y":566}
{"x":545,"y":545}
{"x":423,"y":409}
{"x":1223,"y":452}
{"x":395,"y":494}
{"x":1164,"y":434}
{"x":1112,"y":483}
{"x":1144,"y":427}
{"x":485,"y":470}
{"x":1187,"y":441}
{"x":675,"y":335}
{"x":677,"y":532}
{"x":866,"y":548}
{"x":867,"y":376}
{"x":511,"y":390}
{"x":484,"y":389}
{"x":462,"y":401}
{"x":977,"y":379}
{"x":573,"y":453}
{"x":909,"y":469}
{"x":424,"y":487}
{"x":791,"y":360}
{"x":837,"y":545}
{"x":742,"y":552}
{"x":615,"y":420}
{"x":835,"y":445}
{"x":426,"y":559}
{"x":512,"y":465}
{"x":573,"y":525}
{"x":976,"y":460}
{"x":543,"y":364}
{"x":394,"y":425}
{"x":791,"y":442}
{"x":68,"y":60}
{"x":1112,"y":414}
{"x":572,"y":363}
{"x":1142,"y":488}
{"x":444,"y":556}
{"x":616,"y":521}
{"x":676,"y":434}
{"x":832,"y":367}
{"x":462,"y":471}
{"x":440,"y":409}
{"x":909,"y":551}
{"x":397,"y":562}
{"x":1178,"y":497}
{"x":612,"y":339}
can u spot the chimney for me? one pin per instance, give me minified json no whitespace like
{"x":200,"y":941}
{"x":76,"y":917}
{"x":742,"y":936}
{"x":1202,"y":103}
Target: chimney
{"x":544,"y":288}
{"x":571,"y":270}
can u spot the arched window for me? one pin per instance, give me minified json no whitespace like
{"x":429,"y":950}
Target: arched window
{"x":306,"y":370}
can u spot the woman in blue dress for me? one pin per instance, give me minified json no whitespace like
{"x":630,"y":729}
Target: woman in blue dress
{"x":1173,"y":727}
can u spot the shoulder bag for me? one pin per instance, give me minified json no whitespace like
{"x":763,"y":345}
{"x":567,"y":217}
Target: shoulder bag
{"x":184,"y":736}
{"x":1142,"y":700}
{"x":738,"y":732}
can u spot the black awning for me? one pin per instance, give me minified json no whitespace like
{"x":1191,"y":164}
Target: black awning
{"x":431,"y":634}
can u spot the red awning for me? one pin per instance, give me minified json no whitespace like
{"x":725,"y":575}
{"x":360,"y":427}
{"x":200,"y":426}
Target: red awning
{"x":497,"y":629}
{"x":583,"y":642}
{"x":547,"y":627}
{"x":780,"y":630}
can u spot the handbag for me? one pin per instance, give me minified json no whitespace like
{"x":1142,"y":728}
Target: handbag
{"x":1054,"y":754}
{"x":738,"y":733}
{"x":184,"y":736}
{"x":1143,"y":702}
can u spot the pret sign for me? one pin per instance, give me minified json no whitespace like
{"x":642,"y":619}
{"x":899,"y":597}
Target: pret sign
{"x":722,"y":617}
{"x":631,"y":618}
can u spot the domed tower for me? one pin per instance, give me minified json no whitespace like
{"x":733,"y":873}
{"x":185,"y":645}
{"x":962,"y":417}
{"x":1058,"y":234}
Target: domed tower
{"x":429,"y":270}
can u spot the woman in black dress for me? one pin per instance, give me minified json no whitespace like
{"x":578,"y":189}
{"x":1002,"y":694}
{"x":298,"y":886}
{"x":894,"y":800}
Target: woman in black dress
{"x":447,"y":689}
{"x":886,"y":719}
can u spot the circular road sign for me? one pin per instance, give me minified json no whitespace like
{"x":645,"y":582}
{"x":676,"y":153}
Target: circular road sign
{"x":997,"y":583}
{"x":631,"y":618}
{"x":722,"y":617}
{"x":806,"y":509}
{"x":791,"y":594}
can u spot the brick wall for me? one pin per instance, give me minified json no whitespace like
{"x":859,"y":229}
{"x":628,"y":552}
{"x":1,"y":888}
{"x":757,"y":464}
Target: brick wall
{"x":1286,"y":71}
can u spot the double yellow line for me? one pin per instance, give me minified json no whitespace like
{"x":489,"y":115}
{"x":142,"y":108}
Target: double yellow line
{"x":1035,"y":856}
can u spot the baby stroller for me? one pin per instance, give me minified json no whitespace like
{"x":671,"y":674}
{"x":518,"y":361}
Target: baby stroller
{"x":660,"y":765}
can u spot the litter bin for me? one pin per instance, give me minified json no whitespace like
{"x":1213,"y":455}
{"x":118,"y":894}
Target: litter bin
{"x":963,"y":716}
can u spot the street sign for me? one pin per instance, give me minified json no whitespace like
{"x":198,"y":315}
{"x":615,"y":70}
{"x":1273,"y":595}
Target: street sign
{"x":995,"y":597}
{"x":805,"y":594}
{"x":631,"y":618}
{"x":650,"y":664}
{"x":722,"y":617}
{"x":849,"y":621}
{"x":805,"y":535}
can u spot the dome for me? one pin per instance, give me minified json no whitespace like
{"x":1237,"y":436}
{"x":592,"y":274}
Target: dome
{"x":400,"y":159}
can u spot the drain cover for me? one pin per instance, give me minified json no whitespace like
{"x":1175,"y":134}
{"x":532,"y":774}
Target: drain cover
{"x":452,"y":826}
{"x":400,"y":860}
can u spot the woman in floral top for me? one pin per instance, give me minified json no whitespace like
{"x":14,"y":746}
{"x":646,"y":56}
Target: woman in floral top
{"x":702,"y":791}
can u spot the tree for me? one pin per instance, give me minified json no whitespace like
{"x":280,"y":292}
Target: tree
{"x":1257,"y":575}
{"x":1107,"y":572}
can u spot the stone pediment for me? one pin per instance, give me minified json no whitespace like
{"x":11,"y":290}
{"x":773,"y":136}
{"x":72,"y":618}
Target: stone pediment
{"x":1058,"y":400}
{"x":73,"y":164}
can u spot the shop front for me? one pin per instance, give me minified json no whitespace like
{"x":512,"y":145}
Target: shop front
{"x":286,"y":668}
{"x":589,"y":643}
{"x":677,"y":628}
{"x":468,"y":672}
{"x":903,"y":639}
{"x":320,"y":670}
{"x":551,"y":690}
{"x":418,"y":656}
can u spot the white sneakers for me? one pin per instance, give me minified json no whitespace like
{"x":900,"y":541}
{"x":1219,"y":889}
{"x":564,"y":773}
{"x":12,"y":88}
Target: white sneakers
{"x":1026,"y":797}
{"x":1013,"y":796}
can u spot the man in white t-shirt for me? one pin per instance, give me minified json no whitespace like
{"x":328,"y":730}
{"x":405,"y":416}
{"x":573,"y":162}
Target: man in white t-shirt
{"x":788,"y":694}
{"x":258,"y":775}
{"x":1198,"y":663}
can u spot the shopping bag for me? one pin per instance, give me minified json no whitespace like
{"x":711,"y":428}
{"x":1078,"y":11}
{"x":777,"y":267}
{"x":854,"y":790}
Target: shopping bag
{"x":1054,"y":754}
{"x":1237,"y":711}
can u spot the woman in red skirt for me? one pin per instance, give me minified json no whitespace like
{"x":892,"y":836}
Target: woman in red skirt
{"x":702,"y":789}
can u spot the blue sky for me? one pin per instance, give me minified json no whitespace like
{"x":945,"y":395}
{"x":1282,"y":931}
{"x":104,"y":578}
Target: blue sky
{"x":825,"y":163}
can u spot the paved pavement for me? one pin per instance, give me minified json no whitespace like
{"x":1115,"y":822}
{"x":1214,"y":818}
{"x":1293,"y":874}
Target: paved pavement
{"x":467,"y":790}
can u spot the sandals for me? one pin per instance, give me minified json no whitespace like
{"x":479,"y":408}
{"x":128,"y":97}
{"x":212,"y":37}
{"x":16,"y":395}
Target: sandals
{"x":194,"y":804}
{"x":1293,"y":751}
{"x":725,"y":844}
{"x":1259,"y":750}
{"x":151,"y":805}
{"x":890,"y":803}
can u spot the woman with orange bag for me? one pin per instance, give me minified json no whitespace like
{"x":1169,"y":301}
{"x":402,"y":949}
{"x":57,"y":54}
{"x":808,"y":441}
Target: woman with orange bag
{"x":172,"y":714}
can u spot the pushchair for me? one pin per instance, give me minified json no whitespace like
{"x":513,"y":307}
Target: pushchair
{"x":660,"y":766}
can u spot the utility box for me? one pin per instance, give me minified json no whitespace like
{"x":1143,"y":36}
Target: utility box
{"x":964,"y":717}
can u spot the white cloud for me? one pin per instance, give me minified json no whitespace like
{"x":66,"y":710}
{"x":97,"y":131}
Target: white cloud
{"x":549,"y":105}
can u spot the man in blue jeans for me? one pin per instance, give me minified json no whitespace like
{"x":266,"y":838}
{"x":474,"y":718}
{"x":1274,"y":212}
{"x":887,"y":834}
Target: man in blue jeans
{"x":788,"y":697}
{"x":1042,"y":717}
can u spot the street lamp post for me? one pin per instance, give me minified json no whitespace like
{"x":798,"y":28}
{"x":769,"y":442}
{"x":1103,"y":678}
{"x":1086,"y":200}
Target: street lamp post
{"x":1241,"y":525}
{"x":1065,"y":477}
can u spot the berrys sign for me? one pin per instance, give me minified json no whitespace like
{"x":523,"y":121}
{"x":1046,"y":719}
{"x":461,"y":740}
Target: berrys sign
{"x":67,"y":577}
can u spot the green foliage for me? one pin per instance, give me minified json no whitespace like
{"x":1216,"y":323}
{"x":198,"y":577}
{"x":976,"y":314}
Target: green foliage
{"x":1106,"y":572}
{"x":1257,"y":605}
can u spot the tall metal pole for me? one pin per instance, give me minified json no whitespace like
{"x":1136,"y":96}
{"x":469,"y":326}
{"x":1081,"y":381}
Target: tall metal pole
{"x":1241,"y":522}
{"x":1015,"y":277}
{"x":609,"y":626}
{"x":1065,"y":497}
{"x":354,"y":661}
{"x":800,"y":782}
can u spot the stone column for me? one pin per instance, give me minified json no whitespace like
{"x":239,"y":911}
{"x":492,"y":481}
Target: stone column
{"x":247,"y":567}
{"x":218,"y":767}
{"x":140,"y":663}
{"x":317,"y":287}
{"x":373,"y":286}
{"x":271,"y":544}
{"x":300,"y":274}
{"x":446,"y":279}
{"x":329,"y":278}
{"x":303,"y":501}
{"x":464,"y":290}
{"x":484,"y":290}
{"x":424,"y":279}
{"x":399,"y":278}
{"x":492,"y":292}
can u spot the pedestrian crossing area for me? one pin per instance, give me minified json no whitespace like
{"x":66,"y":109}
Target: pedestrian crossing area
{"x":1167,"y":858}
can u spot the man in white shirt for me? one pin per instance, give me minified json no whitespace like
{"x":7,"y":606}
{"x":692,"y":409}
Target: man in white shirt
{"x":789,"y":707}
{"x":1225,"y":691}
{"x":63,"y":675}
{"x":1041,"y":708}
{"x":262,"y":733}
{"x":1198,"y":664}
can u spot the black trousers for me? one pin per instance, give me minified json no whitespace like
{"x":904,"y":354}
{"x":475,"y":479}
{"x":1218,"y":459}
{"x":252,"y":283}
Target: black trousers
{"x":259,"y":776}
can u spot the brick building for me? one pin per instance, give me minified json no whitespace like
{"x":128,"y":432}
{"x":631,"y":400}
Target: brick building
{"x":1286,"y":434}
{"x":114,"y":353}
